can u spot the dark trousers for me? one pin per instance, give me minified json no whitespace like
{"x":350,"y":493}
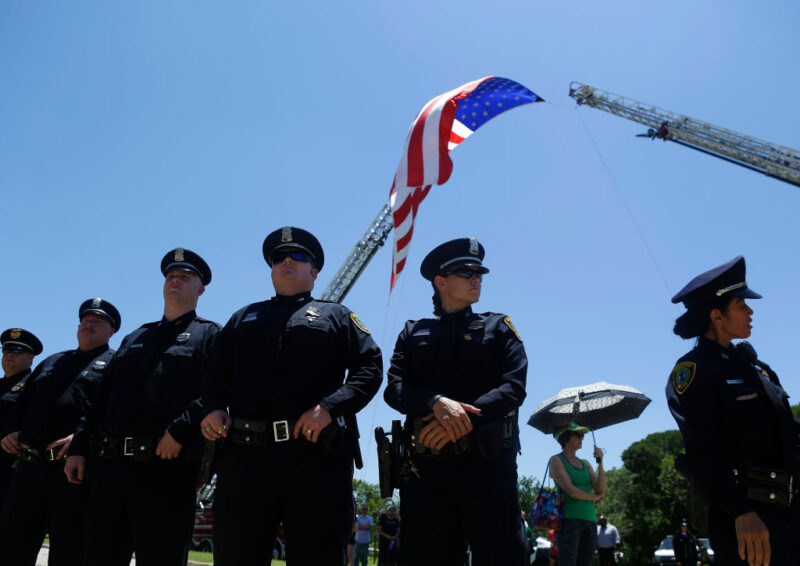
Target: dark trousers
{"x":39,"y":501}
{"x":577,"y":539}
{"x":6,"y":475}
{"x":290,"y":482}
{"x":605,"y":556}
{"x":146,"y":507}
{"x":465,"y":500}
{"x":784,"y":534}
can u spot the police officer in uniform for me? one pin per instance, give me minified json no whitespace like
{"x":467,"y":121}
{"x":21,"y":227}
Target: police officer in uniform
{"x":460,"y":379}
{"x":141,"y":434}
{"x":54,"y":397}
{"x":278,"y":367}
{"x":740,"y":435}
{"x":19,"y":349}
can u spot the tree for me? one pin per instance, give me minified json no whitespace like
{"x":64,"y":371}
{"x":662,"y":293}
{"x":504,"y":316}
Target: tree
{"x":647,"y":498}
{"x":796,"y":411}
{"x":528,"y":488}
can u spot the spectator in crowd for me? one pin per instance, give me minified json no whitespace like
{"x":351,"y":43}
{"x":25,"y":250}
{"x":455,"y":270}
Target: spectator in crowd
{"x":364,"y":524}
{"x":388,"y":533}
{"x":577,"y":537}
{"x":552,"y":537}
{"x":685,"y":546}
{"x":608,"y":542}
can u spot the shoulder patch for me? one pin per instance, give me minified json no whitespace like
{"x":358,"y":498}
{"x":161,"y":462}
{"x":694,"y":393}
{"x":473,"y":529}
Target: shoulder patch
{"x":507,"y":321}
{"x":358,"y":323}
{"x":682,"y":376}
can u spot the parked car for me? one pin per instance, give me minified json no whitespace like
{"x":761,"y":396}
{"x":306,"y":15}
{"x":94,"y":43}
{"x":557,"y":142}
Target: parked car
{"x":665,"y":553}
{"x":706,"y":552}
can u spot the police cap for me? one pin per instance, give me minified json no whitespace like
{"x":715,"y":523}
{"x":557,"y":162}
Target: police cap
{"x":293,"y":237}
{"x":103,"y":308}
{"x":17,"y":339}
{"x":186,"y":260}
{"x":461,"y":252}
{"x":727,"y":280}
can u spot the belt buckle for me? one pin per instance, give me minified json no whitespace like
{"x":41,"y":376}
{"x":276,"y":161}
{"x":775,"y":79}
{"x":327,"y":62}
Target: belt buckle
{"x":280,"y":430}
{"x":125,"y":451}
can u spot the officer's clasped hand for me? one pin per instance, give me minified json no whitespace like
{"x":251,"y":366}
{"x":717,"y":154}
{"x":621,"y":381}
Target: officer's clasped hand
{"x":74,"y":468}
{"x":753,"y":537}
{"x":10,"y":443}
{"x":215,"y":425}
{"x":168,"y":448}
{"x":312,"y":422}
{"x":453,"y":417}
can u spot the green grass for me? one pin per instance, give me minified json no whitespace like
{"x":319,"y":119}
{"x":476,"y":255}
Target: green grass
{"x":206,"y":557}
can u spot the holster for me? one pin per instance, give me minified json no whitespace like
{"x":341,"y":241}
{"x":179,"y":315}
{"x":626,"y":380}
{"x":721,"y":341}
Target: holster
{"x":391,"y":456}
{"x":331,"y":438}
{"x":208,"y":463}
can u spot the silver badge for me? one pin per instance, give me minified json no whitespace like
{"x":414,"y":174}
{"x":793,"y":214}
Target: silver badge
{"x":286,"y":234}
{"x":99,"y":364}
{"x":179,"y":254}
{"x":96,"y":302}
{"x":473,"y":246}
{"x":182,"y":337}
{"x":312,"y":313}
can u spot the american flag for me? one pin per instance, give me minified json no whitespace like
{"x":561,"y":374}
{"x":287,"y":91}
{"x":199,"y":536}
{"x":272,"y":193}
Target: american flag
{"x":442,"y":124}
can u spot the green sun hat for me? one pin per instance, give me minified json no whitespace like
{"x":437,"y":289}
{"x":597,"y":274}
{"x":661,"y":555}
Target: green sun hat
{"x":573,"y":426}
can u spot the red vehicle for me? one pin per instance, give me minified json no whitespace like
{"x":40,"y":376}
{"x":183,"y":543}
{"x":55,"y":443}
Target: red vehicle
{"x":204,"y":520}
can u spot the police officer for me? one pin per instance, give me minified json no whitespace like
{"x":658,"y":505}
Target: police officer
{"x":141,"y":432}
{"x":459,"y":378}
{"x":19,"y":349}
{"x":278,"y":367}
{"x":740,"y":435}
{"x":685,"y":546}
{"x":54,"y":397}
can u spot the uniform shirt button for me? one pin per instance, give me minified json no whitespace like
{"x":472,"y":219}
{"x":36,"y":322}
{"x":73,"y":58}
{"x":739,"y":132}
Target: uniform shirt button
{"x":773,"y":475}
{"x":247,"y":438}
{"x":247,"y":425}
{"x":771,"y":495}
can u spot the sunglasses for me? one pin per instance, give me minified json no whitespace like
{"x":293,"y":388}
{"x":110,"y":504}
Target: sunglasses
{"x":466,"y":273}
{"x":278,"y":257}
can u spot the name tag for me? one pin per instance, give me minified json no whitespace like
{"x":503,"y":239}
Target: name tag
{"x":423,"y":332}
{"x":734,"y":381}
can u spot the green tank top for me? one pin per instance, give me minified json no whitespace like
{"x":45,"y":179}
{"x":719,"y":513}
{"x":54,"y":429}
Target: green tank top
{"x":578,"y":508}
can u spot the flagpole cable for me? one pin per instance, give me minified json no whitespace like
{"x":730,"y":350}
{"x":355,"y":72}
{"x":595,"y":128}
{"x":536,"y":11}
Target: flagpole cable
{"x":628,"y":210}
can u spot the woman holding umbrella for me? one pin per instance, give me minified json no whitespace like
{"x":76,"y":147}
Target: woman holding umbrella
{"x":740,"y":435}
{"x":577,"y":537}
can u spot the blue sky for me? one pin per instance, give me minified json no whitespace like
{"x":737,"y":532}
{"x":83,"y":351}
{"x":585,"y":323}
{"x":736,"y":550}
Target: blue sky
{"x":127,"y":129}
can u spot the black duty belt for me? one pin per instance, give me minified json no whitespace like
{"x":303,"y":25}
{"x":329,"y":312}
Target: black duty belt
{"x":140,"y":447}
{"x":262,"y":433}
{"x":33,"y":455}
{"x":767,"y":484}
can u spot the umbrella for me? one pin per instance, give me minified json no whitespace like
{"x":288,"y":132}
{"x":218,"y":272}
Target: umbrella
{"x":595,"y":406}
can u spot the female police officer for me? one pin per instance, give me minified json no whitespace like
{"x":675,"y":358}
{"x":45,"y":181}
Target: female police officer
{"x":738,"y":428}
{"x":459,"y":379}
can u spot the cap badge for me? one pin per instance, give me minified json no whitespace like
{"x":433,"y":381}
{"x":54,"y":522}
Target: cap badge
{"x":16,"y":333}
{"x":96,"y":303}
{"x":183,"y":337}
{"x":473,"y":246}
{"x":179,"y":254}
{"x":286,"y":234}
{"x":682,"y":376}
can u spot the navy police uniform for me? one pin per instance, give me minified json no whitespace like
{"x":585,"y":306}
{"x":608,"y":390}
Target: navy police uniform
{"x":40,"y":500}
{"x":468,"y":491}
{"x":273,"y":361}
{"x":740,"y":435}
{"x":139,"y":502}
{"x":14,"y":340}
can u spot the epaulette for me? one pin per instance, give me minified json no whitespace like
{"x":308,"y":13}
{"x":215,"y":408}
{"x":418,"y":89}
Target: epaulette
{"x":205,"y":321}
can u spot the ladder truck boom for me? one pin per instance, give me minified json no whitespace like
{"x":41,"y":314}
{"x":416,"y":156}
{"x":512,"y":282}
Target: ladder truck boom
{"x":771,"y":159}
{"x":360,"y":256}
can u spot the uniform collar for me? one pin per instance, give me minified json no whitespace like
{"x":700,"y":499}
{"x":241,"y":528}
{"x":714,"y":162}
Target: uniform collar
{"x":19,"y":375}
{"x":93,"y":353}
{"x":298,"y":299}
{"x":458,"y":315}
{"x":715,"y":349}
{"x":183,"y":319}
